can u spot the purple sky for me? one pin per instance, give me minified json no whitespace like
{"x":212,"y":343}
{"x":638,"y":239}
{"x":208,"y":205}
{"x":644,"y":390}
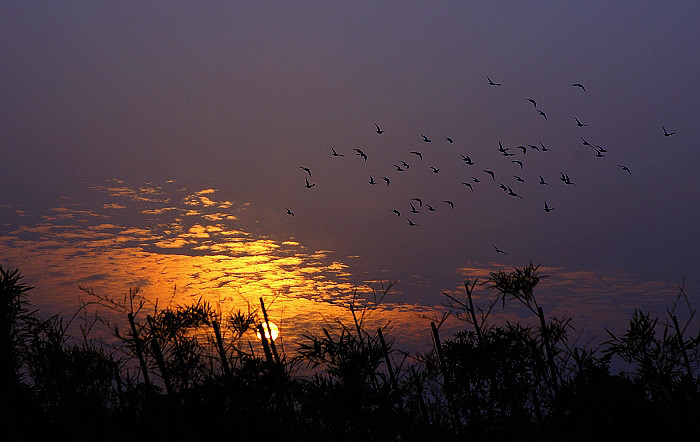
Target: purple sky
{"x":236,"y":97}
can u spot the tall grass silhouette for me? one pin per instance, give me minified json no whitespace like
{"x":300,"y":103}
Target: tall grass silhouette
{"x":187,"y":373}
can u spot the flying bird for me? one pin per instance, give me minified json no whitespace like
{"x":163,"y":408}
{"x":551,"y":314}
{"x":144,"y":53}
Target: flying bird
{"x":600,"y":149}
{"x":579,"y":85}
{"x":532,"y":146}
{"x":405,"y":164}
{"x":468,"y":185}
{"x":336,"y":154}
{"x":578,"y":123}
{"x":667,"y":134}
{"x":467,"y":160}
{"x":371,"y":180}
{"x":435,"y":169}
{"x":379,"y":131}
{"x":475,"y":179}
{"x":385,"y":179}
{"x":398,"y":168}
{"x":542,"y":181}
{"x":523,"y":148}
{"x":452,"y":205}
{"x":503,"y":186}
{"x":396,"y":212}
{"x":306,"y":169}
{"x":360,"y":153}
{"x":511,"y":193}
{"x":585,"y":143}
{"x":430,"y":208}
{"x":518,"y":162}
{"x":499,"y":250}
{"x":547,"y":208}
{"x":413,"y":209}
{"x":426,"y":139}
{"x":289,"y":212}
{"x":420,"y":202}
{"x":490,"y":172}
{"x":544,"y":148}
{"x":625,"y":168}
{"x":449,"y":140}
{"x":420,"y":155}
{"x":519,"y":179}
{"x":543,"y":114}
{"x":533,"y":102}
{"x":411,"y":223}
{"x":309,"y":186}
{"x":492,"y":83}
{"x":599,"y":153}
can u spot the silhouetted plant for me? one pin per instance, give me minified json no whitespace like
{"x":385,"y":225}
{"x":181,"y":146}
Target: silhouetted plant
{"x":505,"y":381}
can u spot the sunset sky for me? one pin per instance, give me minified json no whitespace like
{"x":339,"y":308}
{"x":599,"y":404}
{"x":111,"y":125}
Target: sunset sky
{"x":104,"y":102}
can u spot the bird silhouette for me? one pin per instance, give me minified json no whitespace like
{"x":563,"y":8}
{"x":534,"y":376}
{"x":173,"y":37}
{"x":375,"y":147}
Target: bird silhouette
{"x":492,"y":83}
{"x":585,"y":143}
{"x":501,"y":148}
{"x":405,"y":164}
{"x":420,"y":155}
{"x":599,"y":154}
{"x":413,"y":208}
{"x":519,"y":179}
{"x":467,"y":160}
{"x":289,"y":212}
{"x":490,"y":172}
{"x":411,"y":223}
{"x":396,"y":212}
{"x":430,"y":208}
{"x":547,"y":208}
{"x":360,"y":153}
{"x":511,"y":193}
{"x":499,"y":250}
{"x":379,"y":131}
{"x":306,"y":169}
{"x":449,"y":140}
{"x":435,"y":169}
{"x":336,"y":154}
{"x":544,"y":148}
{"x":385,"y":179}
{"x":542,"y":181}
{"x":625,"y":168}
{"x":578,"y":123}
{"x":371,"y":180}
{"x":543,"y":114}
{"x":468,"y":185}
{"x":452,"y":205}
{"x":398,"y":168}
{"x":426,"y":139}
{"x":518,"y":162}
{"x":579,"y":85}
{"x":532,"y":146}
{"x":503,"y":186}
{"x":309,"y":186}
{"x":667,"y":134}
{"x":420,"y":202}
{"x":533,"y":102}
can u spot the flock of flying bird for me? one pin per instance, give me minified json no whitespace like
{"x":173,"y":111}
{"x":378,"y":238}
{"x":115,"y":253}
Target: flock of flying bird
{"x":402,"y":166}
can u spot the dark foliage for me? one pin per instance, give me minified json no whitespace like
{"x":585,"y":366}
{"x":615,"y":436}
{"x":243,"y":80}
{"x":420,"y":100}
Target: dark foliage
{"x":185,"y":373}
